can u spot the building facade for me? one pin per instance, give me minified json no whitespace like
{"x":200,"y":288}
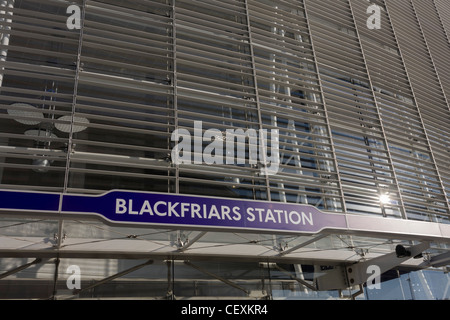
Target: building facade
{"x":343,"y":107}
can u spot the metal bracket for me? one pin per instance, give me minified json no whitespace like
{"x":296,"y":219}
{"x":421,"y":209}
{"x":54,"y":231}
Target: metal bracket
{"x":182,"y":246}
{"x":438,"y":261}
{"x":342,"y":277}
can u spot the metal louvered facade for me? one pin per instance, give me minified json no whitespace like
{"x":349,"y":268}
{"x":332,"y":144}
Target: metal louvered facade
{"x":361,"y":113}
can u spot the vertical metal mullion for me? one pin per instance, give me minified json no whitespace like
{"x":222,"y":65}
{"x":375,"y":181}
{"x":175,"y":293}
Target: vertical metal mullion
{"x":380,"y":120}
{"x":255,"y":83}
{"x":55,"y":277}
{"x":59,"y":238}
{"x":327,"y":120}
{"x":6,"y":8}
{"x":175,"y":92}
{"x":446,"y":101}
{"x":430,"y":54}
{"x":442,"y":24}
{"x":439,"y":13}
{"x":416,"y":104}
{"x":74,"y":100}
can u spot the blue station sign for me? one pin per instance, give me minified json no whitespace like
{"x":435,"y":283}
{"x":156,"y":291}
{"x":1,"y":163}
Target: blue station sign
{"x":175,"y":210}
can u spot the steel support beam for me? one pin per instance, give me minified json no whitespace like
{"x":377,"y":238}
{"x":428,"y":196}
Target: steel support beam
{"x":18,"y":269}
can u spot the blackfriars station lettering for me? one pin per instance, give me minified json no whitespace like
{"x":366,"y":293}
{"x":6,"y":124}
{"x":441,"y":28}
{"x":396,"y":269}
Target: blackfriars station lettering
{"x":199,"y":212}
{"x":212,"y":211}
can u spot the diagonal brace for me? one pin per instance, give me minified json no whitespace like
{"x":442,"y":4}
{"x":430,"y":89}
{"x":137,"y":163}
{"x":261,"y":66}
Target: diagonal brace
{"x":117,"y":275}
{"x":230,"y":283}
{"x":20,"y":268}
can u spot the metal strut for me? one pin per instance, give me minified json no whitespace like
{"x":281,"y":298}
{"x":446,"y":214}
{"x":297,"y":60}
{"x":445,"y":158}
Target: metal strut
{"x":18,"y":269}
{"x":117,"y":275}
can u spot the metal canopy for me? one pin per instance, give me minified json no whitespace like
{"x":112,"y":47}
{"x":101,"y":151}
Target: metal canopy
{"x":215,"y":244}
